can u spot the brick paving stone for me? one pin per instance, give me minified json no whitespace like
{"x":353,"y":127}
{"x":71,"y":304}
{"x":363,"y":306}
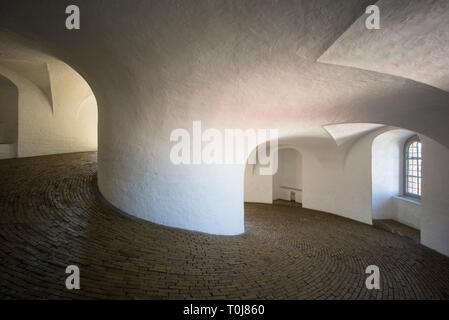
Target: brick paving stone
{"x":51,"y":216}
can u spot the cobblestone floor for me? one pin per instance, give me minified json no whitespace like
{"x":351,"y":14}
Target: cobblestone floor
{"x":50,"y":217}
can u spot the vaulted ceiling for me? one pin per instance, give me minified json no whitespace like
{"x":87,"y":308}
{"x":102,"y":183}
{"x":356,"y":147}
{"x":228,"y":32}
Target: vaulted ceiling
{"x":294,"y":65}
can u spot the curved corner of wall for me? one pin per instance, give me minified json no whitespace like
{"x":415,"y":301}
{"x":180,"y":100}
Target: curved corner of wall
{"x":258,"y":188}
{"x":435,"y":196}
{"x":203,"y":198}
{"x":341,"y":183}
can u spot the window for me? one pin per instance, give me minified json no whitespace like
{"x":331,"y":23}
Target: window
{"x":413,"y":165}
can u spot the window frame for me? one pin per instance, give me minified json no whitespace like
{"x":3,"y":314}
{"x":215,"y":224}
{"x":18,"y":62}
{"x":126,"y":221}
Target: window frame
{"x":407,"y":144}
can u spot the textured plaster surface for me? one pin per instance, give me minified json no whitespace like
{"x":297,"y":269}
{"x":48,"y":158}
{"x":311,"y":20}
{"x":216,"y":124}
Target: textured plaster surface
{"x":412,"y":42}
{"x":435,"y":196}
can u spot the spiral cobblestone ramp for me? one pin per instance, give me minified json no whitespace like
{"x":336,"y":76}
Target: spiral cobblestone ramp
{"x":51,"y":216}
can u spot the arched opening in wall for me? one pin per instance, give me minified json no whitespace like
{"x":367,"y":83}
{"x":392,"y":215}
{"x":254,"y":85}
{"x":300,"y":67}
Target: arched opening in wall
{"x":258,"y":187}
{"x":396,"y":181}
{"x":286,"y":184}
{"x":56,"y":110}
{"x":371,"y":177}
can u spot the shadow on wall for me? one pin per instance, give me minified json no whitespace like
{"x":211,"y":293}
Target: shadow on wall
{"x":258,"y":188}
{"x":55,"y":111}
{"x":9,"y":99}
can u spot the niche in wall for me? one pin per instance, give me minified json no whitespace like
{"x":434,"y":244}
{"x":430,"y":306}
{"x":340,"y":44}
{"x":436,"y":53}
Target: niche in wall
{"x":287,"y":182}
{"x":387,"y":180}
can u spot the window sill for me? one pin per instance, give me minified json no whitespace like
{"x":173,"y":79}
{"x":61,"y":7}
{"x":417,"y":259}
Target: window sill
{"x":408,"y":199}
{"x":290,"y":188}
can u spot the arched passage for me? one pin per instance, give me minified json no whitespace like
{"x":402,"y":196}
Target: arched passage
{"x":56,"y":110}
{"x":285,"y":184}
{"x":288,"y":180}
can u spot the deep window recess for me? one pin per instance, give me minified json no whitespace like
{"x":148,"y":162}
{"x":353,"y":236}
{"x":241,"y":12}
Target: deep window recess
{"x":413,"y":165}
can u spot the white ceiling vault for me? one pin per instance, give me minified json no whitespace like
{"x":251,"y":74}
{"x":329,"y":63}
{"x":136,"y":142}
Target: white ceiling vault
{"x":411,"y":43}
{"x":343,"y":133}
{"x":37,"y":73}
{"x":254,"y":64}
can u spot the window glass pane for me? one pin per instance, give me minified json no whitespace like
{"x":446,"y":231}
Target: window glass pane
{"x":413,"y":167}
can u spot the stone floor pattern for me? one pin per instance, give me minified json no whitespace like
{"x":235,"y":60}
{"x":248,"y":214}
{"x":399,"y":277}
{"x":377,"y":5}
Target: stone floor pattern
{"x":51,"y":217}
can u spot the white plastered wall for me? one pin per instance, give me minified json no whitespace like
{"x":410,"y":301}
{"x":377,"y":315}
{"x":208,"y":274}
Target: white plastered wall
{"x":258,"y":187}
{"x":337,"y":179}
{"x":435,"y":196}
{"x":407,"y":211}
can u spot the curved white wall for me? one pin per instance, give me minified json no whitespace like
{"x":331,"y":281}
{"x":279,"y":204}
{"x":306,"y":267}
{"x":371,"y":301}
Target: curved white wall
{"x":258,"y":188}
{"x":435,"y":196}
{"x":337,"y":178}
{"x":386,"y":173}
